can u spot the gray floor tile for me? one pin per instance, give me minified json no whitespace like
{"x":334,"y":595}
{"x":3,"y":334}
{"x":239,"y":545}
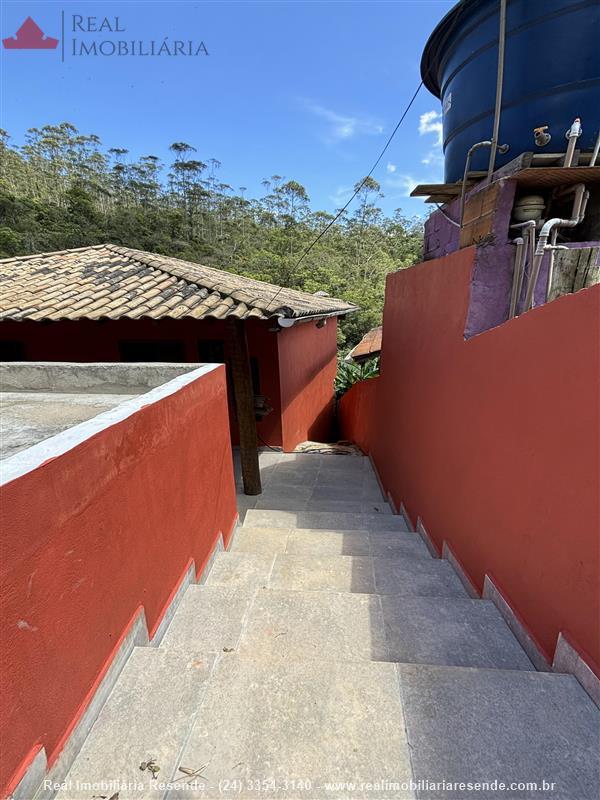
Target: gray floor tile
{"x":305,"y":722}
{"x":398,"y":544}
{"x":260,"y":540}
{"x":325,"y":573}
{"x":148,"y":715}
{"x":209,"y":618}
{"x":450,"y":631}
{"x":238,"y":569}
{"x":419,"y":577}
{"x":479,"y":725}
{"x":286,"y":625}
{"x":324,"y":519}
{"x":328,"y":543}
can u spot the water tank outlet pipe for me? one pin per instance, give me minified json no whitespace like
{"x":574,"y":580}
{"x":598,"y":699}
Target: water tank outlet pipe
{"x":499,"y":82}
{"x":579,"y":203}
{"x":596,"y":150}
{"x":572,"y":135}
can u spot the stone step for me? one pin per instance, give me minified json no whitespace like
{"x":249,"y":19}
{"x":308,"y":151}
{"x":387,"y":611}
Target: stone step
{"x":452,"y":631}
{"x":477,"y":725}
{"x":287,"y":730}
{"x":321,"y":542}
{"x":265,"y":518}
{"x":148,"y":715}
{"x":282,"y":503}
{"x":209,"y":618}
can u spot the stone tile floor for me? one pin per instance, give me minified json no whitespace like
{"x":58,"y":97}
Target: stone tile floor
{"x":328,"y":655}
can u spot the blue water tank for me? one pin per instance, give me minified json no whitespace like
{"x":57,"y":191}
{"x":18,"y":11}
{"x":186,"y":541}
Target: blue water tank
{"x":551,"y":76}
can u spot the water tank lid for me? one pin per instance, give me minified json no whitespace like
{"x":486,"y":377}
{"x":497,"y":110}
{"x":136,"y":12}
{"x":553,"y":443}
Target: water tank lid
{"x":435,"y":48}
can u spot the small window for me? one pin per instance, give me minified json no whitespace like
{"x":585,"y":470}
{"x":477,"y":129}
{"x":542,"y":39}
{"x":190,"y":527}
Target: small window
{"x":12,"y":351}
{"x":159,"y":350}
{"x":211,"y":351}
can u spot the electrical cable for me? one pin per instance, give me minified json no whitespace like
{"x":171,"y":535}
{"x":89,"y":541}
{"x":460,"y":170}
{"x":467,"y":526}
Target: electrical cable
{"x":459,"y":9}
{"x":356,"y":191}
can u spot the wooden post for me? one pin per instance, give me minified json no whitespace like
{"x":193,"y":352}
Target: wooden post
{"x":243,"y":393}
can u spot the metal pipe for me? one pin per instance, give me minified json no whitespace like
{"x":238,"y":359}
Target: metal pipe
{"x":545,"y":233}
{"x":572,"y":135}
{"x":499,"y":82}
{"x":470,"y":152}
{"x":517,"y":272}
{"x":596,"y":150}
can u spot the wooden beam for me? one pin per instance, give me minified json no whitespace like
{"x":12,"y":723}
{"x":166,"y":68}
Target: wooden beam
{"x":243,"y":393}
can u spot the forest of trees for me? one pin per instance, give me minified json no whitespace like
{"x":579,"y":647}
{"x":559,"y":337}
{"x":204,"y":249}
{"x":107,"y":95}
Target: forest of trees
{"x":63,"y":189}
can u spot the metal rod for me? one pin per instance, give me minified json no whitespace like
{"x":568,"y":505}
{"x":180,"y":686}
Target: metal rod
{"x":463,"y":190}
{"x":499,"y":82}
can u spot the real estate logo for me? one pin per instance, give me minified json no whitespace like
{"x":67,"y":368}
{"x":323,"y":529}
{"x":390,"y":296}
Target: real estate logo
{"x":83,"y":35}
{"x":30,"y":37}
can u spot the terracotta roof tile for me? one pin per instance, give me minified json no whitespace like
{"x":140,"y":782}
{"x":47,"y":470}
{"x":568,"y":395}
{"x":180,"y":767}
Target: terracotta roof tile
{"x":109,"y":281}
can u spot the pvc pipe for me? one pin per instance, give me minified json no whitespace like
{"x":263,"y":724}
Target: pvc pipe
{"x":572,"y":134}
{"x":529,"y":228}
{"x":517,"y":272}
{"x":499,"y":82}
{"x":596,"y":150}
{"x":545,"y":233}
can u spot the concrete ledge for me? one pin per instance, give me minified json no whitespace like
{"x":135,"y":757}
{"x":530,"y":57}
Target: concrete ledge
{"x":449,"y":556}
{"x":407,"y":519}
{"x":33,"y":777}
{"x":67,"y":376}
{"x":33,"y":457}
{"x":188,"y":579}
{"x":422,"y":531}
{"x":384,"y":494}
{"x":567,"y":659}
{"x":537,"y":658}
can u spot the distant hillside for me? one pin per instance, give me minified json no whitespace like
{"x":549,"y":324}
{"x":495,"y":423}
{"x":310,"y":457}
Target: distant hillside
{"x":63,"y":189}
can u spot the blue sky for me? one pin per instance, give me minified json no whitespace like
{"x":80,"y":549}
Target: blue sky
{"x":306,"y":90}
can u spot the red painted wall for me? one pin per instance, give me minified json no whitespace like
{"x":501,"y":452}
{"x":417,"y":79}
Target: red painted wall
{"x":88,"y":538}
{"x":86,"y":340}
{"x":356,"y":410}
{"x":494,"y":442}
{"x":307,"y":366}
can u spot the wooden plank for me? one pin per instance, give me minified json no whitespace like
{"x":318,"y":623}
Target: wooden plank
{"x":557,"y":176}
{"x":243,"y":392}
{"x":574,"y":269}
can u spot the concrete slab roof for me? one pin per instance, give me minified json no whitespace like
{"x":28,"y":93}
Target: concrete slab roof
{"x":41,"y":399}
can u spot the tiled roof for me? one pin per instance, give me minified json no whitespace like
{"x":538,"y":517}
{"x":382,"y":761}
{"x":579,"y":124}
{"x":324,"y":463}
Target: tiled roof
{"x":111,"y":282}
{"x":369,"y":346}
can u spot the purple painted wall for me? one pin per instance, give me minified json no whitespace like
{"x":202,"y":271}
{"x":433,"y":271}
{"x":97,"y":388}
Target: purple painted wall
{"x":493,"y":267}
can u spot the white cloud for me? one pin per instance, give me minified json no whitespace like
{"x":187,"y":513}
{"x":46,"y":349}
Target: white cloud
{"x":391,"y":167}
{"x":342,"y":126}
{"x":341,"y":195}
{"x":431,"y":122}
{"x":404,"y":183}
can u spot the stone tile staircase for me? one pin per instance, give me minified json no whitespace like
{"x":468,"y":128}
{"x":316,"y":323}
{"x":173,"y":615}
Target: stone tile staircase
{"x":328,"y":655}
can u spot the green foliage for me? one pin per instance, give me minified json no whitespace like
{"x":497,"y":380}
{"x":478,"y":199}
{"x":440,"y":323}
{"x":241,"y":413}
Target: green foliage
{"x":63,"y":189}
{"x":349,"y":373}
